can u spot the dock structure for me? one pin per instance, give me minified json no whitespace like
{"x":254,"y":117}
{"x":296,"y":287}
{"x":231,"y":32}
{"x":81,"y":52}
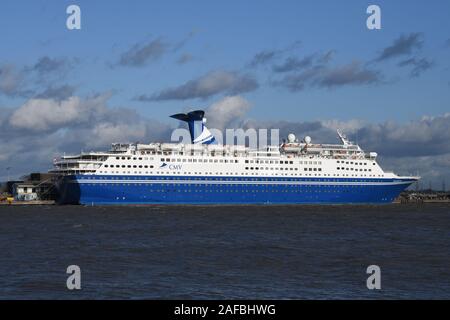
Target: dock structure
{"x":27,"y":203}
{"x":35,"y":188}
{"x":429,"y":196}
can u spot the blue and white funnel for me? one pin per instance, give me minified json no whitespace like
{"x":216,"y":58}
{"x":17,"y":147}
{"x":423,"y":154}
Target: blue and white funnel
{"x":196,"y":121}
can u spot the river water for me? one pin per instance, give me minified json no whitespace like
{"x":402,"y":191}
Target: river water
{"x":225,"y":252}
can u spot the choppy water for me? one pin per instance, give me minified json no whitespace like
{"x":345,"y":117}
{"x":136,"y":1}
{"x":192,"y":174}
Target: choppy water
{"x":259,"y":252}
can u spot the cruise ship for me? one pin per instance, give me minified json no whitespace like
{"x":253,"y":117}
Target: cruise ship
{"x":205,"y":172}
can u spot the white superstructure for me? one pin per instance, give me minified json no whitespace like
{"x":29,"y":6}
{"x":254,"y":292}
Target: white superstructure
{"x":291,"y":159}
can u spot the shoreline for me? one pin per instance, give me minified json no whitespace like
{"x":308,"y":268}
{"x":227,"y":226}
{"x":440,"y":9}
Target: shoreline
{"x":29,"y":203}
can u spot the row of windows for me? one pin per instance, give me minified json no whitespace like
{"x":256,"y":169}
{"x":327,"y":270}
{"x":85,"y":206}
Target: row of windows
{"x":271,"y":168}
{"x":356,"y":163}
{"x":192,"y":153}
{"x":311,"y":162}
{"x":269,"y":161}
{"x":128,"y":166}
{"x":200,"y":160}
{"x":236,"y":161}
{"x":291,"y":169}
{"x":134,"y":158}
{"x":342,"y":168}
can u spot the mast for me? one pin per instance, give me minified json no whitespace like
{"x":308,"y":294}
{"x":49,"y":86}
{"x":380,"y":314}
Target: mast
{"x":343,"y":138}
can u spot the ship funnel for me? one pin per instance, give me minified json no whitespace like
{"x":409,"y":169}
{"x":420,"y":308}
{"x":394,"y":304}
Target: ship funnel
{"x":196,"y":122}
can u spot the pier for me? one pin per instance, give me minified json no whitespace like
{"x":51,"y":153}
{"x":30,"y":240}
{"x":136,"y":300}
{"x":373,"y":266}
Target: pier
{"x":424,"y":196}
{"x":27,"y":203}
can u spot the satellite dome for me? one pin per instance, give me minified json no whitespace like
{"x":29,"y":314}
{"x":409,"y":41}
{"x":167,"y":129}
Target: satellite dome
{"x":291,"y":138}
{"x":307,"y":139}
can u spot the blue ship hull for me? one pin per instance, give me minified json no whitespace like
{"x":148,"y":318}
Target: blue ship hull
{"x":121,"y":190}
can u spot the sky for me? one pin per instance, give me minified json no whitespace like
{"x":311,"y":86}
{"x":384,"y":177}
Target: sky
{"x":307,"y":67}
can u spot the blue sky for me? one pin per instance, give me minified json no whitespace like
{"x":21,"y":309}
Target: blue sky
{"x":133,"y":63}
{"x":226,"y":35}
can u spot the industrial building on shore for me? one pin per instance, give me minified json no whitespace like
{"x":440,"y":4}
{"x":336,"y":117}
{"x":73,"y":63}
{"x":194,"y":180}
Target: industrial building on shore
{"x":31,"y":187}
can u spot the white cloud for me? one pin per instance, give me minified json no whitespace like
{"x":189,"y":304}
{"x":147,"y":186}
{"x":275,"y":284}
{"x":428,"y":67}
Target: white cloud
{"x":348,"y":127}
{"x":106,"y":133}
{"x":226,"y":111}
{"x":45,"y":114}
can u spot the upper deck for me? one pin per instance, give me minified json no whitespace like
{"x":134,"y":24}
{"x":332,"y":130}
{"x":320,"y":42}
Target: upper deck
{"x":323,"y":159}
